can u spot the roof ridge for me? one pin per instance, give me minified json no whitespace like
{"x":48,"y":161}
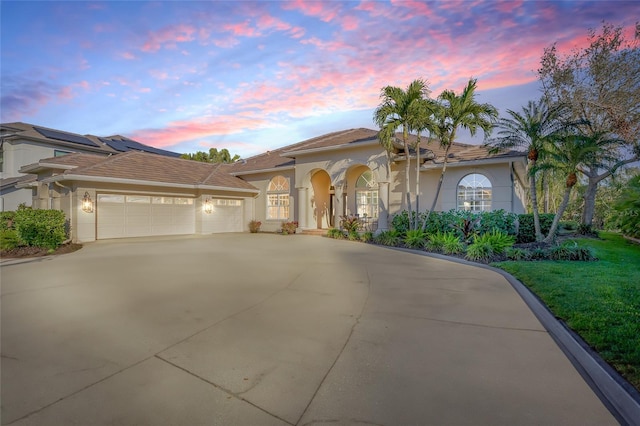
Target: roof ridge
{"x":215,"y":167}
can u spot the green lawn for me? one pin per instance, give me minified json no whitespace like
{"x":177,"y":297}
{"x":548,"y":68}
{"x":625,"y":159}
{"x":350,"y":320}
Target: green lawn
{"x":598,"y":300}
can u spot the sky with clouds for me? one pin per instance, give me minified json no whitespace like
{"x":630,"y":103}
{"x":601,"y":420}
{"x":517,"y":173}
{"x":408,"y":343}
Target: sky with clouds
{"x":256,"y":75}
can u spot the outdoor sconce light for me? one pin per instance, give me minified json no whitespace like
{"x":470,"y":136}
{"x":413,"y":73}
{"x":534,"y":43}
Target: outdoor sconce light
{"x":87,"y":203}
{"x":208,"y":206}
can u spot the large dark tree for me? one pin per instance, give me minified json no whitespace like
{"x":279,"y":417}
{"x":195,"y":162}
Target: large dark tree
{"x":600,"y":85}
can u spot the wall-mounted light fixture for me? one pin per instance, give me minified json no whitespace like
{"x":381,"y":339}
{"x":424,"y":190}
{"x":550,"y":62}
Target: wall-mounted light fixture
{"x":208,"y":206}
{"x":87,"y":203}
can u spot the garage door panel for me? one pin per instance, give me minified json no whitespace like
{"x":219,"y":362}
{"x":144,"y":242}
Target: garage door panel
{"x":227,"y":216}
{"x":141,"y":216}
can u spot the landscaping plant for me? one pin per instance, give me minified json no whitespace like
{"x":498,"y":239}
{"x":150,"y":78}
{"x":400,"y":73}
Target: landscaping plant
{"x":415,"y":239}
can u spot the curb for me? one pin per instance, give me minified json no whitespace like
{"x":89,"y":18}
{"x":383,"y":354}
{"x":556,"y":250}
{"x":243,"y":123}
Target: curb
{"x":622,"y":400}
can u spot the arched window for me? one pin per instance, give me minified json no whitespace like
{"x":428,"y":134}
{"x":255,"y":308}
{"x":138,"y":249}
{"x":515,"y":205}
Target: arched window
{"x":278,"y":198}
{"x":474,"y":193}
{"x":367,"y":195}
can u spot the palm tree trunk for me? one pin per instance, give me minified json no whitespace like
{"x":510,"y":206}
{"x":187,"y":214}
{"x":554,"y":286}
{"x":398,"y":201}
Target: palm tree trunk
{"x":558,"y":216}
{"x":534,"y":206}
{"x":417,"y":181}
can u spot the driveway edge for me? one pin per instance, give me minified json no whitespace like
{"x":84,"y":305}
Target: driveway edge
{"x":622,"y":400}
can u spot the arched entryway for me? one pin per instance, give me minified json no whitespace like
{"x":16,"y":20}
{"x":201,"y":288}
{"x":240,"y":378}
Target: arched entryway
{"x":321,"y":200}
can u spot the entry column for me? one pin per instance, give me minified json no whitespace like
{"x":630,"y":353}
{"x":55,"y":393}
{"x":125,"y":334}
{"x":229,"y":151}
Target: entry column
{"x":302,"y":207}
{"x":383,"y":206}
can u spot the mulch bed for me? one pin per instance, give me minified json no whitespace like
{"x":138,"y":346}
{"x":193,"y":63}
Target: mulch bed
{"x":22,"y":252}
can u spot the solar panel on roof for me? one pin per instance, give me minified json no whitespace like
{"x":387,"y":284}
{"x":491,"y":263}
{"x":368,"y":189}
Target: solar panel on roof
{"x":115,"y":144}
{"x":65,"y":137}
{"x":131,"y":144}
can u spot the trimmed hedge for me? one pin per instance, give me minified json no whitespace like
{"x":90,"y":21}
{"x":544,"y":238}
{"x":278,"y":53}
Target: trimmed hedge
{"x":526,"y":228}
{"x":40,"y":228}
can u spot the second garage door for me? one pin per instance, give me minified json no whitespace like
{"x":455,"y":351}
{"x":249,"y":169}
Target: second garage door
{"x":120,"y":215}
{"x":227,"y":216}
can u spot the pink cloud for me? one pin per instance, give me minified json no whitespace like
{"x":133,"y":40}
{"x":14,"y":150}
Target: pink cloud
{"x":241,"y":29}
{"x":128,"y":56}
{"x":168,"y":37}
{"x":186,"y":130}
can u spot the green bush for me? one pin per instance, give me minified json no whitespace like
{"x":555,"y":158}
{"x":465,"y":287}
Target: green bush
{"x":40,"y":228}
{"x":353,"y":235}
{"x":479,"y":251}
{"x":415,"y":238}
{"x":516,"y":253}
{"x":335,"y":233}
{"x":9,"y":239}
{"x":499,"y":241}
{"x":389,"y":238}
{"x":436,"y":240}
{"x":498,"y":219}
{"x":452,"y":244}
{"x":366,"y":237}
{"x":571,"y":251}
{"x":526,"y":228}
{"x":6,"y":220}
{"x":627,"y":209}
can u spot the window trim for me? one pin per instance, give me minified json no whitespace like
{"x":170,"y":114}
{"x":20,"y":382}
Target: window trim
{"x":282,"y":192}
{"x":470,"y":194}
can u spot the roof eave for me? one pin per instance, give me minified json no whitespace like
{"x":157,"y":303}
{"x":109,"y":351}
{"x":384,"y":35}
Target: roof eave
{"x":482,"y":161}
{"x":71,"y":177}
{"x":40,"y":166}
{"x":269,"y":170}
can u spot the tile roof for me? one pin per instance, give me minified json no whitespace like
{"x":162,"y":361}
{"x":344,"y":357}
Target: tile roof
{"x":274,"y":159}
{"x":147,"y":167}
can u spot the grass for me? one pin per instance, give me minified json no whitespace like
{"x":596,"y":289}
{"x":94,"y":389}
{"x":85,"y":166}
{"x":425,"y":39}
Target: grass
{"x":598,"y":300}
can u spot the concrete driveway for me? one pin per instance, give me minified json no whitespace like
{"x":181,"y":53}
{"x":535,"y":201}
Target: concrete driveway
{"x":261,"y":329}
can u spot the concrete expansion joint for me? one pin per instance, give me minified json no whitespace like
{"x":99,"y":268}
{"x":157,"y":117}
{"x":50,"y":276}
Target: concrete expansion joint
{"x":231,"y":394}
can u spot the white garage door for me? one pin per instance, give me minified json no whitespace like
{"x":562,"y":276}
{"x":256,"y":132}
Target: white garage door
{"x":226,"y":216}
{"x":120,"y":215}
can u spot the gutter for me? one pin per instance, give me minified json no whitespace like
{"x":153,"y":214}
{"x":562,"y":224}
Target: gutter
{"x":255,"y":172}
{"x":466,"y":163}
{"x":65,"y":177}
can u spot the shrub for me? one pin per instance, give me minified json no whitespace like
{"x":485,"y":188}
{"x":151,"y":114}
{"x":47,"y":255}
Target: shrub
{"x":452,"y":244}
{"x":350,"y":223}
{"x":353,"y":235}
{"x":498,"y":219}
{"x":40,"y":228}
{"x":9,"y":239}
{"x":415,"y":238}
{"x":526,"y":228}
{"x":389,"y":238}
{"x":254,"y":226}
{"x":499,"y":241}
{"x":479,"y":251}
{"x":516,"y":253}
{"x":466,"y":225}
{"x":538,"y":254}
{"x":367,"y":237}
{"x":288,"y":227}
{"x":569,"y":225}
{"x":627,"y":209}
{"x":6,"y":220}
{"x":403,"y":222}
{"x":335,"y":233}
{"x":571,"y":251}
{"x":437,"y":240}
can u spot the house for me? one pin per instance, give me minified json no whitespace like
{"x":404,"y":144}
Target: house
{"x":22,"y":144}
{"x":314,"y":182}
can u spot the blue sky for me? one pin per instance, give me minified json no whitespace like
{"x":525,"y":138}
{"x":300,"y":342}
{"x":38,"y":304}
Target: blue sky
{"x":252,"y":76}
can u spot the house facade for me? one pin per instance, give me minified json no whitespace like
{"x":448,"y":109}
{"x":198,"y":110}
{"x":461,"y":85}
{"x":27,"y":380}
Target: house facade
{"x":314,"y":182}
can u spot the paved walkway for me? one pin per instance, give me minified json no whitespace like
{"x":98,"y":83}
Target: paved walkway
{"x":246,"y":329}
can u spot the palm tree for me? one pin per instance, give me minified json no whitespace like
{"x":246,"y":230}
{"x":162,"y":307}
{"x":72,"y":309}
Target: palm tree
{"x":460,"y":111}
{"x":393,"y":113}
{"x":535,"y":129}
{"x":422,"y":119}
{"x":568,"y":155}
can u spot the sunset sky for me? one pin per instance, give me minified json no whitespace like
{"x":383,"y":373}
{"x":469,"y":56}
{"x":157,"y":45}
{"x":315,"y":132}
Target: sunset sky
{"x":252,"y":76}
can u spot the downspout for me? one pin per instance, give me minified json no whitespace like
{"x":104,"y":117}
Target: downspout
{"x":70,"y":209}
{"x":511,"y":172}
